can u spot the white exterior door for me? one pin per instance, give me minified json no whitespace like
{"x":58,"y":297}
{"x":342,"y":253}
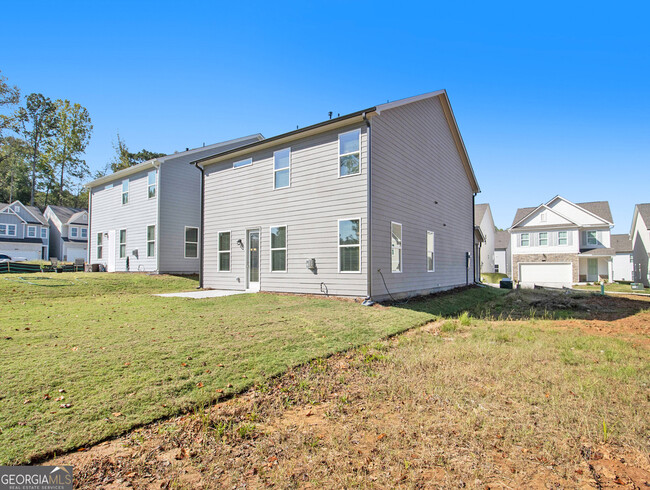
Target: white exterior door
{"x":546,"y":274}
{"x":110,"y":257}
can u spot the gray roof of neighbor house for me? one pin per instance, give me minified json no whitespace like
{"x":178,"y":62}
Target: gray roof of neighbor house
{"x":599,"y":208}
{"x":200,"y":152}
{"x":644,"y":211}
{"x":3,"y":205}
{"x":68,"y":215}
{"x":37,"y":213}
{"x":479,"y":212}
{"x":501,"y":240}
{"x":622,"y":243}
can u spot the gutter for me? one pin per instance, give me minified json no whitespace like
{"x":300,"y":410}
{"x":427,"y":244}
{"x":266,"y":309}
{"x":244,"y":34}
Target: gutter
{"x":369,"y":300}
{"x":202,"y":170}
{"x":474,"y":249}
{"x":90,"y":229}
{"x":158,"y":166}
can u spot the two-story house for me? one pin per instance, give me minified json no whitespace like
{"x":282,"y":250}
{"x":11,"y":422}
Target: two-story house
{"x":640,"y":234}
{"x":378,"y":203}
{"x":24,"y":232}
{"x":561,"y":243}
{"x":483,"y":219}
{"x":147,"y":217}
{"x":502,"y":252}
{"x":68,"y":232}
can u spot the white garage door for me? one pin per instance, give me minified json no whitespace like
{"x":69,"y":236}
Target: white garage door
{"x":20,"y":254}
{"x":75,"y":253}
{"x":551,"y":275}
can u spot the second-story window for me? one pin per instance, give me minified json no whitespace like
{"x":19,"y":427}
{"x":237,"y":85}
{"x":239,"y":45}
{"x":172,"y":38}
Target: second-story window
{"x":524,"y":240}
{"x":31,"y":231}
{"x":74,"y":232}
{"x":8,"y":230}
{"x":84,"y":233}
{"x":282,"y":168}
{"x":242,"y":163}
{"x":349,"y":145}
{"x":151,"y":184}
{"x":43,"y":232}
{"x":592,"y":238}
{"x":543,"y":238}
{"x":125,"y":191}
{"x":562,"y":238}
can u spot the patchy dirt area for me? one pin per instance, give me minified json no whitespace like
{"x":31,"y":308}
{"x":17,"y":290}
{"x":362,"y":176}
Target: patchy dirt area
{"x":454,"y":404}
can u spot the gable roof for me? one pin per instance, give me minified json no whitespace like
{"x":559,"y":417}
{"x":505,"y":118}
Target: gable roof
{"x":358,"y":116}
{"x":501,"y":240}
{"x":600,"y":209}
{"x":644,"y":211}
{"x":479,"y":213}
{"x":202,"y":151}
{"x":3,"y":205}
{"x":622,"y":243}
{"x":68,"y":215}
{"x":37,"y":214}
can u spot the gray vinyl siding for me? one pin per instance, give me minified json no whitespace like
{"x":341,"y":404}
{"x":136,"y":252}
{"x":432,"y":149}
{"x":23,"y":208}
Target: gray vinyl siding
{"x":108,"y":213}
{"x":12,"y":219}
{"x":415,"y":163}
{"x":244,"y":198}
{"x":55,"y":236}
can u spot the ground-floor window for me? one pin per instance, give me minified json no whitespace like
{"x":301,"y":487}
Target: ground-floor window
{"x":223,"y":244}
{"x":395,"y":247}
{"x":100,"y":248}
{"x":350,"y":245}
{"x":278,"y":249}
{"x":191,"y":242}
{"x":122,"y":244}
{"x":431,"y":263}
{"x":151,"y":240}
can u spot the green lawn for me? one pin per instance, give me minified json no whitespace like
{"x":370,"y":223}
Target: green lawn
{"x":125,"y":358}
{"x":615,"y":287}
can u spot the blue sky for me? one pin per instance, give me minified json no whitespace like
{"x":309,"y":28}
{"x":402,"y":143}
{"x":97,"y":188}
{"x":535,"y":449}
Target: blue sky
{"x":551,"y":97}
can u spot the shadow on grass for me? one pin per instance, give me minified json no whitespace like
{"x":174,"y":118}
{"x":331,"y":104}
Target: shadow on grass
{"x":497,"y":304}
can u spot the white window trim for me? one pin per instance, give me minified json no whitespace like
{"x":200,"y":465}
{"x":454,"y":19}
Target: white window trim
{"x":249,"y":160}
{"x":433,"y":251}
{"x":81,"y":232}
{"x":401,"y":247}
{"x":76,"y":231}
{"x":539,"y":237}
{"x":119,"y":243}
{"x":338,"y":160}
{"x":229,"y":252}
{"x":99,"y":246}
{"x":185,"y":242}
{"x":521,"y":239}
{"x":147,"y":241}
{"x":154,"y":185}
{"x":31,"y":227}
{"x":285,"y":248}
{"x":566,"y":238}
{"x":338,"y":242}
{"x":128,"y":186}
{"x":44,"y":232}
{"x":279,"y":170}
{"x":595,"y":232}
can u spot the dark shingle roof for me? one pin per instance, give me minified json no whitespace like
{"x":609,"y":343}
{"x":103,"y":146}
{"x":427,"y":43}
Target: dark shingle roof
{"x":599,"y":208}
{"x":479,"y":212}
{"x":501,"y":240}
{"x":622,"y":243}
{"x":21,"y":240}
{"x":65,"y":214}
{"x":644,"y":211}
{"x":37,"y":213}
{"x":598,"y":252}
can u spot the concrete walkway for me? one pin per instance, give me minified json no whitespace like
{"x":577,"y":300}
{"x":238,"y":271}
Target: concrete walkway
{"x":207,"y":293}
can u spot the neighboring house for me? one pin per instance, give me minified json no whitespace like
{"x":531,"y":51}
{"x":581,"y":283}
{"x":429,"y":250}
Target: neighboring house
{"x":376,"y":203}
{"x":640,"y":234}
{"x":502,"y":252}
{"x":68,"y":232}
{"x":147,"y":217}
{"x":623,"y":264}
{"x":479,"y":240}
{"x":24,"y":232}
{"x":483,"y":219}
{"x":561,"y":243}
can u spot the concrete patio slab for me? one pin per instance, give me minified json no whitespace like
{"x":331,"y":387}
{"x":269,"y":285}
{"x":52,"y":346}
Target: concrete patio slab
{"x":208,"y":293}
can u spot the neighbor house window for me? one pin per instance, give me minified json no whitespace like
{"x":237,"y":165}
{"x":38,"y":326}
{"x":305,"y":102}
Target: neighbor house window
{"x":31,"y":231}
{"x":349,"y":144}
{"x":43,"y":232}
{"x":151,"y":184}
{"x":100,"y":248}
{"x":191,"y":242}
{"x":74,"y":232}
{"x":591,"y":238}
{"x":278,"y":249}
{"x":8,"y":230}
{"x":243,"y":163}
{"x":525,"y":239}
{"x":281,"y":168}
{"x":125,"y":191}
{"x":84,"y":233}
{"x":223,"y":245}
{"x":395,"y":247}
{"x":151,"y":240}
{"x":543,"y":238}
{"x":631,"y":259}
{"x":431,"y":263}
{"x":562,"y":238}
{"x":3,"y":229}
{"x":350,"y":245}
{"x":122,"y":244}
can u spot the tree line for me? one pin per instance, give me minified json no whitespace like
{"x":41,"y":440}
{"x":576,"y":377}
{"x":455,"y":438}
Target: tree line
{"x":42,"y":146}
